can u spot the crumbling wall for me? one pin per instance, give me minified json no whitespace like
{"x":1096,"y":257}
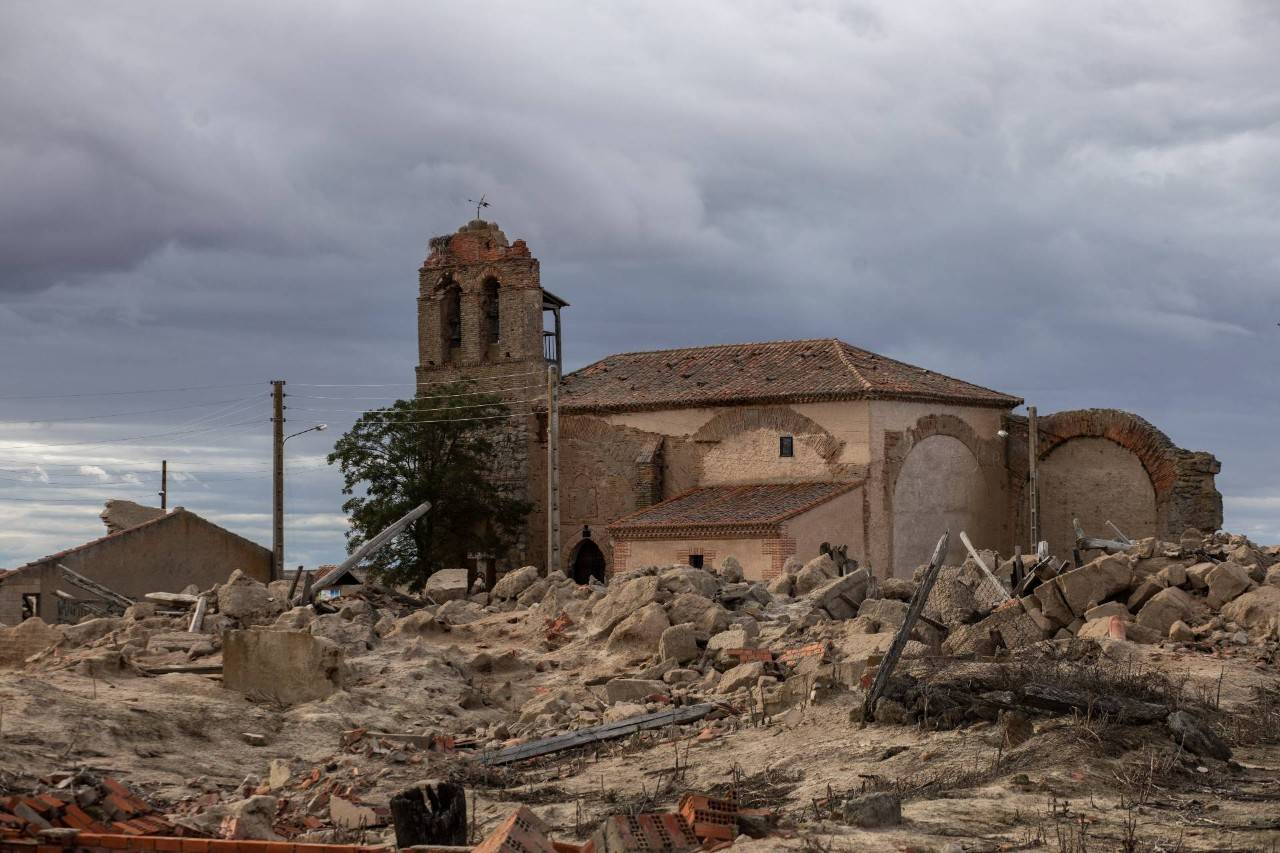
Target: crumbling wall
{"x":1180,"y":481}
{"x":1096,"y":481}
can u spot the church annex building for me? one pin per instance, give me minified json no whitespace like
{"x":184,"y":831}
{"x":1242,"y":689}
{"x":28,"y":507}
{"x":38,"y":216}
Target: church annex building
{"x":764,"y":451}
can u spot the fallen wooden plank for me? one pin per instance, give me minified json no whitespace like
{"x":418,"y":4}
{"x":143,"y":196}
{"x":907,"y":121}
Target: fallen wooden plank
{"x":904,"y":632}
{"x":197,"y":617}
{"x":198,"y":668}
{"x":1061,"y":700}
{"x":94,"y":587}
{"x":998,"y":590}
{"x":596,"y":734}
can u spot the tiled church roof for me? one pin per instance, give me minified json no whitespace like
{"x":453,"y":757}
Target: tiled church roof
{"x":727,"y":510}
{"x":776,"y":372}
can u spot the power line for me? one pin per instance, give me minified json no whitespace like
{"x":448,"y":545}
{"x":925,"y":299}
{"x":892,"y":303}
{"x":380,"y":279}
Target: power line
{"x":122,"y":414}
{"x":414,"y":384}
{"x":386,"y":412}
{"x":123,"y":393}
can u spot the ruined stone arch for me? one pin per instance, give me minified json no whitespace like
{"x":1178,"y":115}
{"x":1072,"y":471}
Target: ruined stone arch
{"x":1157,"y":453}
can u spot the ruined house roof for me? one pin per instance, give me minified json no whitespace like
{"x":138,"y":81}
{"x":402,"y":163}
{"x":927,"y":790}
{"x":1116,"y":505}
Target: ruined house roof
{"x":775,"y":372}
{"x":112,"y":537}
{"x":741,"y":510}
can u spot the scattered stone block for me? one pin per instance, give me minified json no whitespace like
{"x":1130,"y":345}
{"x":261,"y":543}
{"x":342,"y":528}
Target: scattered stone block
{"x":1257,"y":611}
{"x":1106,"y":611}
{"x":26,"y":639}
{"x":446,"y":585}
{"x":1226,"y":581}
{"x":815,"y":573}
{"x":841,"y":597}
{"x":873,"y":810}
{"x":679,"y":643}
{"x":1095,"y":581}
{"x":286,"y":666}
{"x":1181,"y":632}
{"x":632,"y":689}
{"x":247,"y":600}
{"x":1169,"y":606}
{"x":743,"y":675}
{"x":1197,"y":575}
{"x":1144,"y":592}
{"x":640,"y":631}
{"x":511,"y":584}
{"x":1196,"y":737}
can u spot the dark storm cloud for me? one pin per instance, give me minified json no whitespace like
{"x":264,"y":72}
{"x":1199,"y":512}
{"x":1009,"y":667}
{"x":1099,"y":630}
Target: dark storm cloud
{"x":1076,"y":204}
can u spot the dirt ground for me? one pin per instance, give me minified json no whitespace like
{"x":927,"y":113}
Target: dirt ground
{"x":1074,"y":784}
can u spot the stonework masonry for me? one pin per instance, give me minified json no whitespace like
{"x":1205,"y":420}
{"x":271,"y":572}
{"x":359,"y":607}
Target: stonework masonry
{"x":638,"y":429}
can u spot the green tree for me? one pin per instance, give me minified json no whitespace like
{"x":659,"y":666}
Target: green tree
{"x":438,"y":449}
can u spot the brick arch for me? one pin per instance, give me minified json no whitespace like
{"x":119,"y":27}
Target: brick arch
{"x":1157,"y":453}
{"x":781,"y":418}
{"x":898,"y":445}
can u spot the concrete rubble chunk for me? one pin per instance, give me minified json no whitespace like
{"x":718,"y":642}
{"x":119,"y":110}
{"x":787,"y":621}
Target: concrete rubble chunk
{"x":744,"y":675}
{"x":731,"y":570}
{"x":1198,"y":575}
{"x":1181,"y":632}
{"x":815,"y":573}
{"x":783,"y":584}
{"x":26,"y":639}
{"x":510,"y":585}
{"x":247,"y":600}
{"x":888,"y":613}
{"x":1144,"y":592}
{"x":286,"y":666}
{"x":621,"y":602}
{"x":678,"y":643}
{"x":633,"y":689}
{"x":1174,"y":574}
{"x":1226,"y":581}
{"x":873,"y":810}
{"x":734,"y":638}
{"x":1106,"y":611}
{"x":792,"y":565}
{"x":841,"y":597}
{"x":639,"y":633}
{"x":1257,"y":611}
{"x":1169,"y":606}
{"x":446,"y":585}
{"x":688,"y":579}
{"x":1095,"y":581}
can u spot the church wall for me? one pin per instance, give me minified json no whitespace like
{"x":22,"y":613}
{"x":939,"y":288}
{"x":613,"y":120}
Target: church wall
{"x":839,"y":521}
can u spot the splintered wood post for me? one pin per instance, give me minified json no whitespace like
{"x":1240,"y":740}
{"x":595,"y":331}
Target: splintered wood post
{"x":908,"y":625}
{"x":1016,"y":580}
{"x":197,"y":618}
{"x":436,"y":816}
{"x":293,"y":584}
{"x":306,"y":588}
{"x":998,"y":587}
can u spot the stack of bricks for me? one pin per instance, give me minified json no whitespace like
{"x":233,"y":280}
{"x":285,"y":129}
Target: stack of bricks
{"x":107,"y":808}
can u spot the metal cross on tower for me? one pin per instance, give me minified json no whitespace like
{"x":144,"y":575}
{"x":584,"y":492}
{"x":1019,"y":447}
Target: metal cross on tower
{"x":479,"y":204}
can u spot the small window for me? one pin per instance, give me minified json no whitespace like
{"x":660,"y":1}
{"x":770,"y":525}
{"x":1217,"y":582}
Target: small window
{"x":786,"y":446}
{"x":695,"y":560}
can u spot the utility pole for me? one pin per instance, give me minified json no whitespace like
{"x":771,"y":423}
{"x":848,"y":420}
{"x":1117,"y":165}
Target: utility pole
{"x":553,"y":470}
{"x":1033,"y":485}
{"x":277,"y":479}
{"x":164,"y":483}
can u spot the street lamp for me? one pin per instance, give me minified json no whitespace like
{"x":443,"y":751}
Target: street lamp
{"x":277,"y":497}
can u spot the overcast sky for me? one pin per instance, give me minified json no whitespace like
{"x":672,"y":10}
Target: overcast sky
{"x":1077,"y":203}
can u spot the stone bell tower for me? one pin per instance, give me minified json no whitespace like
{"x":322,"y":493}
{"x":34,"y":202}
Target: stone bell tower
{"x":483,"y":316}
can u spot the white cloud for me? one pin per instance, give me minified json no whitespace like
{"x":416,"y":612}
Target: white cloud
{"x":95,"y":472}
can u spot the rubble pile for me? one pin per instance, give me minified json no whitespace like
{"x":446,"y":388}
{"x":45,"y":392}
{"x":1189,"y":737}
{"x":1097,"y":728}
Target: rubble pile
{"x":355,"y":696}
{"x":79,"y":801}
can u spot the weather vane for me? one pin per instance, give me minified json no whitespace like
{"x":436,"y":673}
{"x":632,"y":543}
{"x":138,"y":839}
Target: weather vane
{"x":479,"y":204}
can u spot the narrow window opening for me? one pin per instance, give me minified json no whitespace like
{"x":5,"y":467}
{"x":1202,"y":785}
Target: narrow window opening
{"x":695,"y":560}
{"x":492,"y":316}
{"x":786,"y":446}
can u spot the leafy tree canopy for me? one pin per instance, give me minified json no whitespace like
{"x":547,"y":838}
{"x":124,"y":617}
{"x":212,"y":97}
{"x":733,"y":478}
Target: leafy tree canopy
{"x":438,"y":449}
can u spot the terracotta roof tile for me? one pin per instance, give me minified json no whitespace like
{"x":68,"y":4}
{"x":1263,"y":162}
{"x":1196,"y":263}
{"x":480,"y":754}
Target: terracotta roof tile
{"x":728,"y":510}
{"x":779,"y":371}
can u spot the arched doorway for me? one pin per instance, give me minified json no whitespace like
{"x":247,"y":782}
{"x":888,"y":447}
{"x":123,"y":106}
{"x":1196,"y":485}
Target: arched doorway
{"x":587,"y":562}
{"x":939,"y":488}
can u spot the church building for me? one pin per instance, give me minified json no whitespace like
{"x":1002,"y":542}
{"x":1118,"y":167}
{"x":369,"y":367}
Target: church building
{"x":763,"y":451}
